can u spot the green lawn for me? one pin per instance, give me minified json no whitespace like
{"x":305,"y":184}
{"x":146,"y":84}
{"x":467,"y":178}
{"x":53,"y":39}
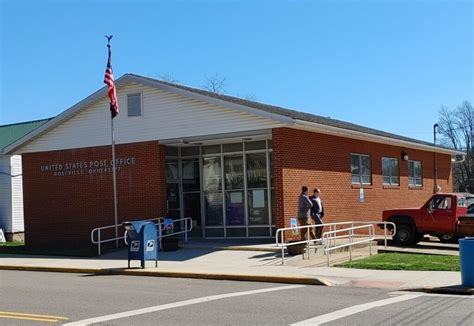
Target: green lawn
{"x":11,"y":244}
{"x":409,"y":262}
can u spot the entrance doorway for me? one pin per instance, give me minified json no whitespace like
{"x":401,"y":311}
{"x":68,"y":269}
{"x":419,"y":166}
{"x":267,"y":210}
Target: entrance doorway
{"x":225,"y":189}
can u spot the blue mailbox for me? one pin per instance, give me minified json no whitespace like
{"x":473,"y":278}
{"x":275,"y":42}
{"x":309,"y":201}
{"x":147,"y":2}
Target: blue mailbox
{"x":142,"y":241}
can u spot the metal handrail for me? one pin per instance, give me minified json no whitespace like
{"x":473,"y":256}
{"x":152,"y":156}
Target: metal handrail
{"x":280,"y":233}
{"x":284,"y":245}
{"x":327,"y":239}
{"x":99,"y":230}
{"x":161,"y":227}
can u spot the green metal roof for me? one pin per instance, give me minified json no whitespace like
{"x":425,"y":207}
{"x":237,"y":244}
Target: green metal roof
{"x":12,"y":132}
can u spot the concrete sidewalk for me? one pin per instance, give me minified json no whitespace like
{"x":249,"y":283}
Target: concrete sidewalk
{"x":250,"y":262}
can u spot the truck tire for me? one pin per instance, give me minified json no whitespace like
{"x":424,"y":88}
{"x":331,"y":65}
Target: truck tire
{"x":448,"y":238}
{"x":418,"y":237}
{"x":405,"y":235}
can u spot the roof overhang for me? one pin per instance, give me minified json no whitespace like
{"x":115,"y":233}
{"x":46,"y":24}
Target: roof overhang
{"x":285,"y":120}
{"x":329,"y":130}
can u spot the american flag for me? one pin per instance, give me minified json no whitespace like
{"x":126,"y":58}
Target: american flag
{"x":109,"y":80}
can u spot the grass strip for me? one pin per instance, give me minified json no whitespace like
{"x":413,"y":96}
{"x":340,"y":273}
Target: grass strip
{"x":408,"y":262}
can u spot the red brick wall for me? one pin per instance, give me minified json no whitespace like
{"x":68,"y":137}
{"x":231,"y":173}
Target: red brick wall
{"x":62,"y":210}
{"x":323,"y":161}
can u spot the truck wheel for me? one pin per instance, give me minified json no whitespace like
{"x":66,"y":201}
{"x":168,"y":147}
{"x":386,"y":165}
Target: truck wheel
{"x":405,"y":235}
{"x":448,"y":238}
{"x":418,"y":237}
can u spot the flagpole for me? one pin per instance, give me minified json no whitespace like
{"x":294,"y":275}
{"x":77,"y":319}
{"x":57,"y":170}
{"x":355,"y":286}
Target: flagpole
{"x":114,"y":175}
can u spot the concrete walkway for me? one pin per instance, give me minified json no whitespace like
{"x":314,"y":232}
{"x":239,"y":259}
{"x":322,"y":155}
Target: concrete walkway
{"x":237,"y":261}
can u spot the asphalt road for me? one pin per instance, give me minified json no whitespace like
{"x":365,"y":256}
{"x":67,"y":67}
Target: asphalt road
{"x":35,"y":298}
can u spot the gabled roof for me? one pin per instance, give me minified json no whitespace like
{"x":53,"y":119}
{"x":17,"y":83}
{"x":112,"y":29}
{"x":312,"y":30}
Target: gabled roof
{"x":290,"y":117}
{"x":293,"y":114}
{"x":13,"y":132}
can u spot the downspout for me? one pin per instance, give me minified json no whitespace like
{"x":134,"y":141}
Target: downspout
{"x":435,"y":165}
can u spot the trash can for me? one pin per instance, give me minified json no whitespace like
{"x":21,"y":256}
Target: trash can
{"x":466,"y":260}
{"x":142,"y":241}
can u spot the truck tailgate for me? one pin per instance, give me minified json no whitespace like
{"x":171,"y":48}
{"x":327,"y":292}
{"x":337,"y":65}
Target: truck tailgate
{"x":466,"y":226}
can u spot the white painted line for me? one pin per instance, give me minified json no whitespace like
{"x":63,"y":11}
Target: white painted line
{"x":131,"y":313}
{"x":353,"y":310}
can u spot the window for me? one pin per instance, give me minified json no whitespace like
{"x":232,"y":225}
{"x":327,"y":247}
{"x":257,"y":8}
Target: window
{"x":390,"y":171}
{"x":134,"y":105}
{"x":440,"y":202}
{"x":360,"y":169}
{"x":414,"y":174}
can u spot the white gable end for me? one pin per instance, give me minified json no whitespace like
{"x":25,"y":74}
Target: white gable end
{"x":165,"y":115}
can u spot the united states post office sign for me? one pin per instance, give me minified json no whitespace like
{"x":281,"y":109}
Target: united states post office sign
{"x":91,"y":167}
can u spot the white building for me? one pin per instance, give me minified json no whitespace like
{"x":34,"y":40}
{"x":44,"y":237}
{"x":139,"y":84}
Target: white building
{"x":11,"y":183}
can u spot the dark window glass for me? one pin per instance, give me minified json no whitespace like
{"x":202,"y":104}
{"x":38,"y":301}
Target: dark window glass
{"x":235,"y":147}
{"x":190,"y":172}
{"x":171,"y":151}
{"x":415,"y":177}
{"x":234,"y":172}
{"x":189,"y":151}
{"x":212,"y":149}
{"x":390,"y":171}
{"x":134,"y":105}
{"x":213,"y":208}
{"x":360,"y":169}
{"x":258,"y":207}
{"x":211,"y":173}
{"x":192,"y":207}
{"x":235,"y":208}
{"x":256,"y":170}
{"x":254,"y":145}
{"x":172,"y":171}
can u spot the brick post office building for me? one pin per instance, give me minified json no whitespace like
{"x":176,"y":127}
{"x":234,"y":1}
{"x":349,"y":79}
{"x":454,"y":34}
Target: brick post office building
{"x":234,"y":166}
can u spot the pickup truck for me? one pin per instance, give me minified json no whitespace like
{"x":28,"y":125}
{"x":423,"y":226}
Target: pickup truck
{"x":444,"y":215}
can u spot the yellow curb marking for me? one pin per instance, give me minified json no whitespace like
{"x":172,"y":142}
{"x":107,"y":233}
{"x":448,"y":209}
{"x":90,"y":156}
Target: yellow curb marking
{"x":33,"y":317}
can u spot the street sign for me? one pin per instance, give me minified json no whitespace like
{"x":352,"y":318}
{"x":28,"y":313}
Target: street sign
{"x":293,"y":225}
{"x":361,"y":195}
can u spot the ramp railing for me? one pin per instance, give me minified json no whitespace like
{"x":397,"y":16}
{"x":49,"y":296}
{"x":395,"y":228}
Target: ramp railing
{"x":282,"y":244}
{"x":98,"y":238}
{"x":330,"y":237}
{"x":188,"y":226}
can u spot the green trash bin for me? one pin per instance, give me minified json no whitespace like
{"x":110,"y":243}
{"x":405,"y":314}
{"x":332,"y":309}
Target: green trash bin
{"x":466,"y":260}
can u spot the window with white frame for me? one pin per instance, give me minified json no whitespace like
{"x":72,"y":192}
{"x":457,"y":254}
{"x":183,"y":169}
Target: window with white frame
{"x":390,"y":171}
{"x":360,"y":169}
{"x":415,"y":177}
{"x":134,"y":105}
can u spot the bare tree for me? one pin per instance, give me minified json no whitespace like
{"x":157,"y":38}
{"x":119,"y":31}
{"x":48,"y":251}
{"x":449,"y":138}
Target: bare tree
{"x":167,"y":77}
{"x":457,"y":130}
{"x":215,"y":84}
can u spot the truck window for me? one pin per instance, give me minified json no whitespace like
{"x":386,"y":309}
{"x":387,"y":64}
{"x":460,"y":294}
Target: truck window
{"x":441,"y":202}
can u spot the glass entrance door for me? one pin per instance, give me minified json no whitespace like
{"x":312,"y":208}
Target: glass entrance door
{"x":191,"y":182}
{"x":173,"y":202}
{"x":226,"y":189}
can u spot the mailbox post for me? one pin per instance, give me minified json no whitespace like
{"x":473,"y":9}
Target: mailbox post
{"x":142,"y":241}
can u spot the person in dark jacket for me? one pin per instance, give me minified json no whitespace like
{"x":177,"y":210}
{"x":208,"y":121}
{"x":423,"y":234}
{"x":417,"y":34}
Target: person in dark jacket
{"x":317,"y":211}
{"x":304,"y":213}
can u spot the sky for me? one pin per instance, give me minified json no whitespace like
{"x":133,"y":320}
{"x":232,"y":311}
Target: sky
{"x":386,"y":64}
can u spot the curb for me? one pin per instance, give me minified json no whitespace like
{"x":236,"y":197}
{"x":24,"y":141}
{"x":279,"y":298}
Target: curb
{"x":457,"y":290}
{"x":207,"y":276}
{"x":234,"y":248}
